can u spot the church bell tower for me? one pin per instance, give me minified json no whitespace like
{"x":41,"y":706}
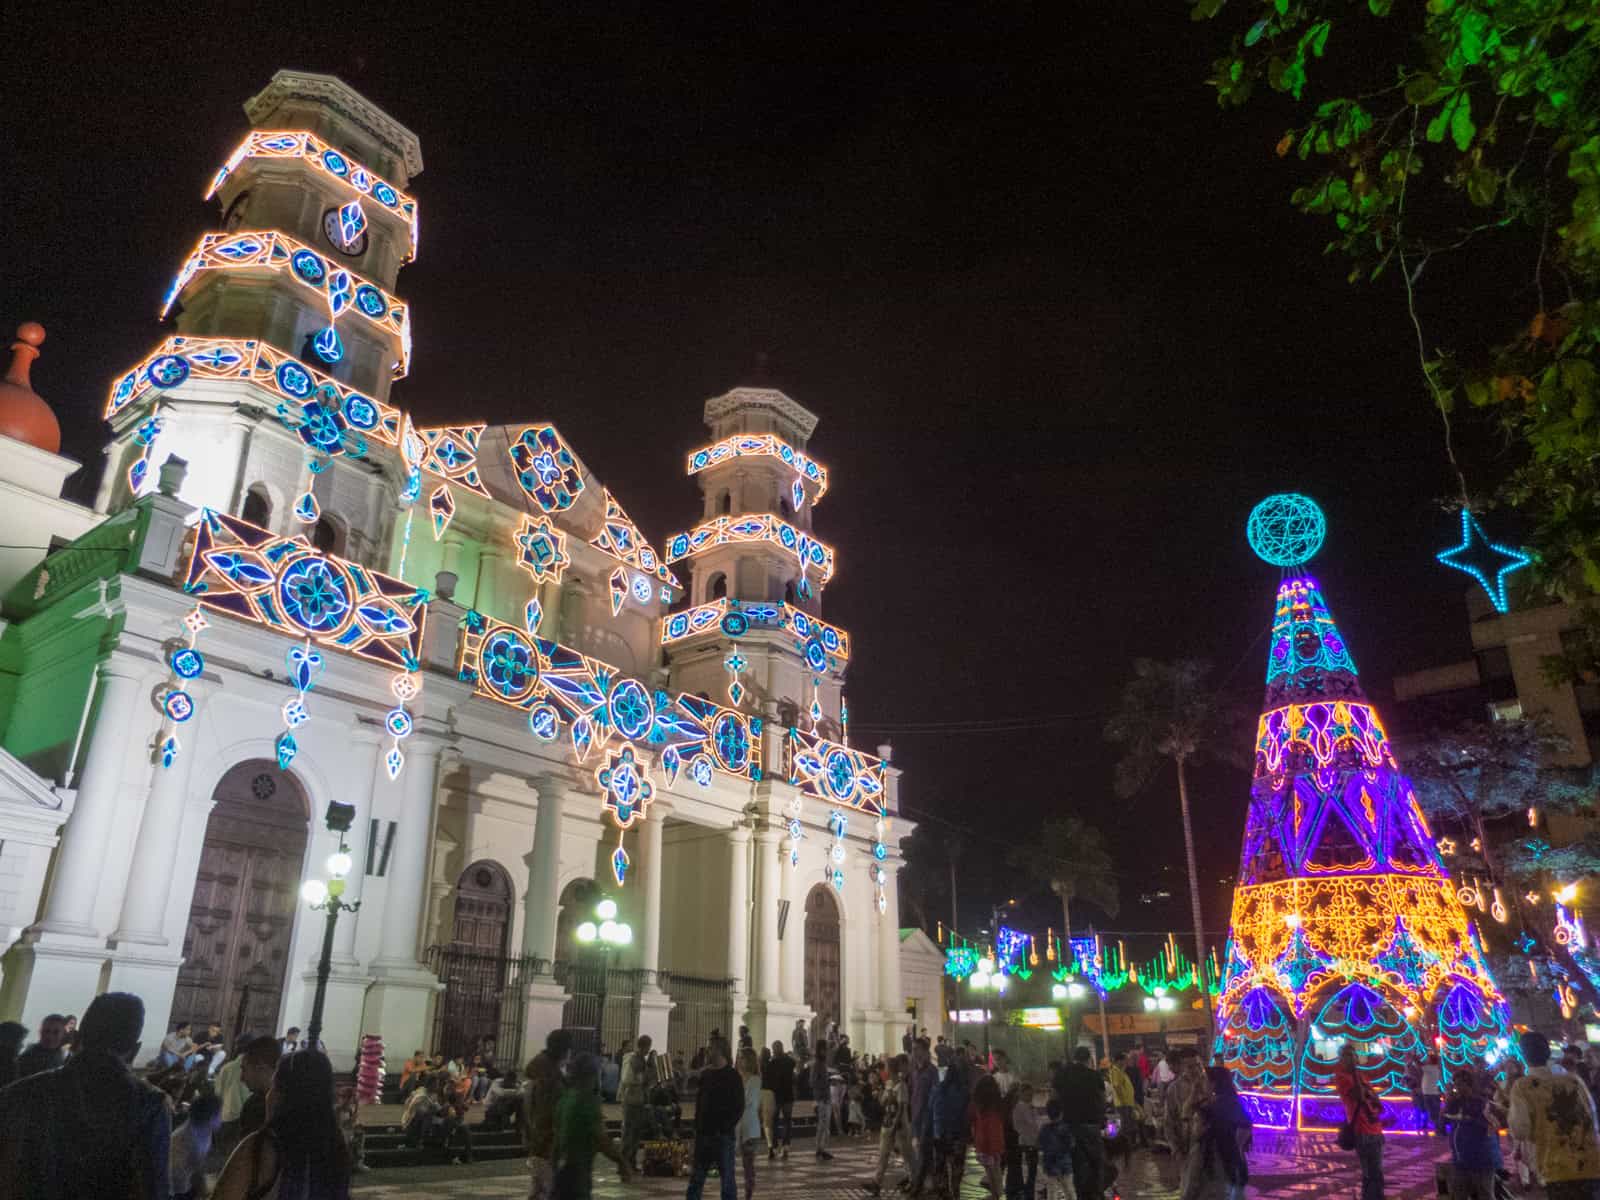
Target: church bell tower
{"x":753,"y":633}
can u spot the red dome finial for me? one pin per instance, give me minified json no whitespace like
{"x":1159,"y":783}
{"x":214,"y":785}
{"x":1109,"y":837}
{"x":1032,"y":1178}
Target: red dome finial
{"x":23,"y":413}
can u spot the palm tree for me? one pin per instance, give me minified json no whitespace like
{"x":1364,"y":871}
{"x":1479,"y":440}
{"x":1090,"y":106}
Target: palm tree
{"x":1069,"y":857}
{"x":1168,"y":712}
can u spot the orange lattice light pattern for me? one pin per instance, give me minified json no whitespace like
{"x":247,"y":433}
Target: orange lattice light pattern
{"x":1366,"y":924}
{"x":1298,"y":736}
{"x":341,"y":288}
{"x":335,"y":164}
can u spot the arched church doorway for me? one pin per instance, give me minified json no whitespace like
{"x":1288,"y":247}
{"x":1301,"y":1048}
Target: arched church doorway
{"x":483,"y":909}
{"x":478,"y":977}
{"x":822,"y":957}
{"x":241,"y":917}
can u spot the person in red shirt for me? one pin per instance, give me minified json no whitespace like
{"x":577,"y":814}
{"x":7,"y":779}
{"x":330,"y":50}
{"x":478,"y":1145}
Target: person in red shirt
{"x":988,"y":1124}
{"x":1363,"y":1110}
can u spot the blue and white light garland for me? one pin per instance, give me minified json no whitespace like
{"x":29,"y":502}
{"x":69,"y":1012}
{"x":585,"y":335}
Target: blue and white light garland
{"x":177,"y":703}
{"x":305,"y":664}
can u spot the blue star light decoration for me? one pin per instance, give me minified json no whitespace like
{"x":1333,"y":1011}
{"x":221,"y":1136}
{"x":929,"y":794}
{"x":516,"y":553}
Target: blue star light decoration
{"x":1487,"y":562}
{"x":1287,"y":529}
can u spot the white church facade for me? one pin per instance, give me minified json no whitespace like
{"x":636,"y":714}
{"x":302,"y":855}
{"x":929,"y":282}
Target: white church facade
{"x":288,"y":595}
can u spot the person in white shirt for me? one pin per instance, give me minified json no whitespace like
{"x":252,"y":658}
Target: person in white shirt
{"x":290,"y":1041}
{"x":1002,"y":1072}
{"x":191,"y":1143}
{"x":1163,"y":1072}
{"x":177,"y":1047}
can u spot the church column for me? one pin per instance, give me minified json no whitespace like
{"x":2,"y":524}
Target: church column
{"x":739,"y":918}
{"x":397,"y":1001}
{"x":144,"y":904}
{"x":365,"y":749}
{"x":769,"y":864}
{"x":655,"y":1006}
{"x":487,"y":598}
{"x":144,"y":961}
{"x":70,"y":909}
{"x":545,"y":997}
{"x":57,"y":965}
{"x":891,"y":997}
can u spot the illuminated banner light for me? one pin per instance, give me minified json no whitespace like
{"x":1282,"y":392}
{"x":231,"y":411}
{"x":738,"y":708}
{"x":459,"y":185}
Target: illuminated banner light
{"x":809,"y":552}
{"x":620,"y":538}
{"x":451,"y":453}
{"x":286,"y":585}
{"x":744,"y":445}
{"x":342,"y":289}
{"x":593,"y":705}
{"x":832,"y":773}
{"x":1304,"y":636}
{"x":734,"y":618}
{"x":179,"y":359}
{"x":1300,"y":737}
{"x":298,"y":144}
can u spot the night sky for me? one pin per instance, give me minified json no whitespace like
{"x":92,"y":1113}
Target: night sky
{"x":1058,"y":320}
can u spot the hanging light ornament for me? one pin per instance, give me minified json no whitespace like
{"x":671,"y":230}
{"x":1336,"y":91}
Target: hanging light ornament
{"x":305,"y":663}
{"x":177,"y":703}
{"x":834,"y":869}
{"x":404,"y":685}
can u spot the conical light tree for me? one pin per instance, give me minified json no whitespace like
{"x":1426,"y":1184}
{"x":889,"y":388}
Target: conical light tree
{"x":1346,"y":925}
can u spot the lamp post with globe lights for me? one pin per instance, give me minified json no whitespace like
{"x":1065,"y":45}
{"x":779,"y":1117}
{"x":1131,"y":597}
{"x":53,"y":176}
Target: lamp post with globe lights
{"x":603,"y":935}
{"x":329,"y":897}
{"x":1065,"y":995}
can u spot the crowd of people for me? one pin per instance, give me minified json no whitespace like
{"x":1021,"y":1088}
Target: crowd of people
{"x":268,"y":1121}
{"x":77,"y":1121}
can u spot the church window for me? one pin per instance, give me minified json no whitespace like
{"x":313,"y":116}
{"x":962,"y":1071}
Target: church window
{"x":257,"y":507}
{"x":325,"y":536}
{"x":726,"y":503}
{"x":788,"y":592}
{"x":719,"y":586}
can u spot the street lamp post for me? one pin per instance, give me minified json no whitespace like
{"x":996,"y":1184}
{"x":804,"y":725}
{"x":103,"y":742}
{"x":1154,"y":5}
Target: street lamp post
{"x":1064,"y":994}
{"x":604,"y":934}
{"x":329,"y":897}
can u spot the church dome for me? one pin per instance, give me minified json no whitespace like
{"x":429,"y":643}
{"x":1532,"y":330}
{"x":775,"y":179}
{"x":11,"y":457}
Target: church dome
{"x":23,"y":413}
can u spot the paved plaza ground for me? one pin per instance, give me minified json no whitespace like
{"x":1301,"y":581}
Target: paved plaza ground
{"x":1281,"y":1166}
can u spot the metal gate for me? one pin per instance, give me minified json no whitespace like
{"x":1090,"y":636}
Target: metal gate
{"x":485,"y":995}
{"x":698,"y":1007}
{"x":589,"y":987}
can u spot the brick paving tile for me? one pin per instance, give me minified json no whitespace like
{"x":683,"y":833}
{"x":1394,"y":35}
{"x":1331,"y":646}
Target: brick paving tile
{"x":1283,"y":1167}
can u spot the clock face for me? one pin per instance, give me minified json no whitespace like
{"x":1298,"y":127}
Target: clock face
{"x":333,"y":228}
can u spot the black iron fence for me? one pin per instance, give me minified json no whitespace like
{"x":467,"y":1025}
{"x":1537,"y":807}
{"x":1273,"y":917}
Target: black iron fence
{"x":602,"y":1008}
{"x":485,"y":995}
{"x":699,"y":1006}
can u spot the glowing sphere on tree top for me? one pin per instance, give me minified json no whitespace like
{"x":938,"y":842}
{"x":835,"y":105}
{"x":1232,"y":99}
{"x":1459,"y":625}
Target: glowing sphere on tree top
{"x":1286,"y":530}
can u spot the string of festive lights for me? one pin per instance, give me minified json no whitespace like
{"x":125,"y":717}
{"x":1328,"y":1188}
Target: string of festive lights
{"x":620,"y":538}
{"x":339,"y":287}
{"x":181,"y":358}
{"x":744,"y":445}
{"x":811,"y":553}
{"x":734,"y":618}
{"x":330,"y":163}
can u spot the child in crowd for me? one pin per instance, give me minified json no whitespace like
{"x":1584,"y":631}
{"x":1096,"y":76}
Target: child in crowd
{"x":1025,"y":1121}
{"x":1055,"y":1155}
